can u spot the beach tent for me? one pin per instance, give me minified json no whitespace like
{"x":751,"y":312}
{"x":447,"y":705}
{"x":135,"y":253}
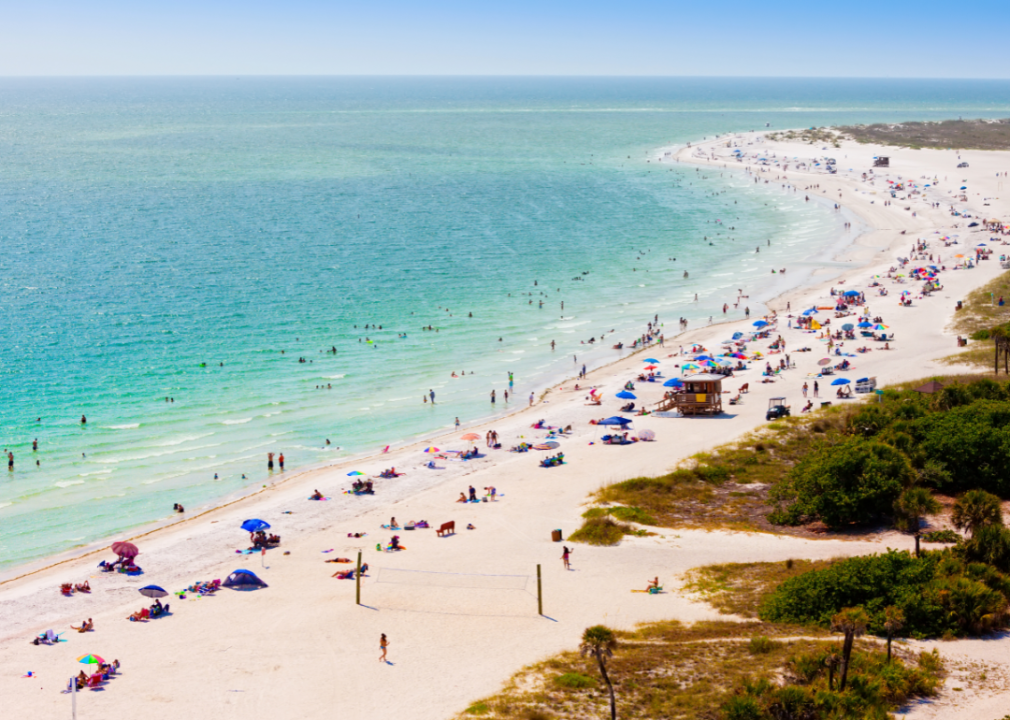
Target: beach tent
{"x":811,"y":311}
{"x":243,"y":580}
{"x":255,"y":525}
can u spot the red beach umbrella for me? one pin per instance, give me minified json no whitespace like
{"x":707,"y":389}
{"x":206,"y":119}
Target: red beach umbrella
{"x":125,"y":549}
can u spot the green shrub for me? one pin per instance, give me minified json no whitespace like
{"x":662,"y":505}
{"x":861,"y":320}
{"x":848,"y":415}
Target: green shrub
{"x":575,"y":681}
{"x":761,"y":645}
{"x":851,"y":481}
{"x":600,"y":531}
{"x":941,"y":536}
{"x":633,"y":514}
{"x":939,"y":593}
{"x":478,"y":708}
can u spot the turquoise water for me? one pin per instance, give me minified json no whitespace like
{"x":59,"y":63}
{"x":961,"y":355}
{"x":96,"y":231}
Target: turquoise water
{"x":171,"y":237}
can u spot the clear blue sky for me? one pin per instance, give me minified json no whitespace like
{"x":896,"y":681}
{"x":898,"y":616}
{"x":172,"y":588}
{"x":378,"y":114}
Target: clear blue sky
{"x":520,"y":37}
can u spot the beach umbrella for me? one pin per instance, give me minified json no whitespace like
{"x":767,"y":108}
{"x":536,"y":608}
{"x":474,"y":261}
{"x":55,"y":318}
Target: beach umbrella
{"x":650,"y":367}
{"x":653,"y":361}
{"x":851,"y":293}
{"x":90,"y":659}
{"x":470,"y":436}
{"x":689,"y":366}
{"x":738,"y":356}
{"x":153,"y":591}
{"x":811,"y":311}
{"x":964,"y":187}
{"x":840,"y":381}
{"x":615,"y":420}
{"x":759,"y":323}
{"x":703,"y":357}
{"x":959,"y":255}
{"x":243,"y":580}
{"x":878,"y":326}
{"x":125,"y":549}
{"x":825,"y":361}
{"x":625,"y":395}
{"x":848,"y":326}
{"x":432,"y":450}
{"x":674,"y":382}
{"x":865,"y":324}
{"x":353,"y":473}
{"x":255,"y":525}
{"x":552,"y":445}
{"x":646,"y":435}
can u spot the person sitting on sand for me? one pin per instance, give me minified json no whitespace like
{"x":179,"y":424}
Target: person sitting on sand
{"x":653,"y":585}
{"x":470,"y":526}
{"x":462,"y":498}
{"x":83,"y":587}
{"x":316,"y":495}
{"x":86,"y":625}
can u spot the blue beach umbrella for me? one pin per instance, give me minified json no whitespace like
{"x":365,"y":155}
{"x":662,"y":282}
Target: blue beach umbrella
{"x":759,"y":323}
{"x":625,"y":395}
{"x":811,"y":311}
{"x":851,"y":293}
{"x":840,"y":381}
{"x":651,"y":361}
{"x":848,"y":326}
{"x":255,"y":525}
{"x":674,"y":382}
{"x":153,"y":591}
{"x":865,"y":324}
{"x":615,"y":420}
{"x":243,"y":580}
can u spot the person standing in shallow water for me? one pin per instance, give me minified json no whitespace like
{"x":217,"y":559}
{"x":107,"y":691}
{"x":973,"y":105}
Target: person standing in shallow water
{"x":280,"y":461}
{"x":270,"y":461}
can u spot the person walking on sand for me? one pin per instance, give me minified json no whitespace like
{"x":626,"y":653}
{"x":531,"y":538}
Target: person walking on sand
{"x":805,"y":388}
{"x":565,"y":552}
{"x":531,"y":399}
{"x":383,"y":644}
{"x":817,"y":389}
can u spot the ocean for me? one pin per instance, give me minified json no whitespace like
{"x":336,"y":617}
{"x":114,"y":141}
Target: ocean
{"x":213,"y":240}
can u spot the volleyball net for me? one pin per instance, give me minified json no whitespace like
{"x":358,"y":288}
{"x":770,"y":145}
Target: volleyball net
{"x":455,"y":592}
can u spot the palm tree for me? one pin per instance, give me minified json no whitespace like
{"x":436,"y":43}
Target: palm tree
{"x":894,"y":620}
{"x":975,"y":509}
{"x":909,"y":508}
{"x":599,"y":642}
{"x":851,"y":622}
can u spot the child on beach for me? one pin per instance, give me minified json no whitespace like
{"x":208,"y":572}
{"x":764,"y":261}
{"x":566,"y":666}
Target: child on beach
{"x":383,"y":644}
{"x":564,"y":556}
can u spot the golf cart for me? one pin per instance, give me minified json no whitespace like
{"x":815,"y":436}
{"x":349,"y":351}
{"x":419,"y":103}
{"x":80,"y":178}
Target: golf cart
{"x":777,"y":408}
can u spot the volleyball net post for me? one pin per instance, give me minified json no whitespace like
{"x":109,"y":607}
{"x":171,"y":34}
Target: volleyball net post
{"x":540,"y":593}
{"x":357,"y":581}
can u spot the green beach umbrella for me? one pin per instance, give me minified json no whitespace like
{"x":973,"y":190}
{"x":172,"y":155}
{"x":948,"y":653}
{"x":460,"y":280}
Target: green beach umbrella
{"x":90,"y":660}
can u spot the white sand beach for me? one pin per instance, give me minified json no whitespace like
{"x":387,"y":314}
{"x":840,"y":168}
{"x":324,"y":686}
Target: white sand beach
{"x":301,"y":648}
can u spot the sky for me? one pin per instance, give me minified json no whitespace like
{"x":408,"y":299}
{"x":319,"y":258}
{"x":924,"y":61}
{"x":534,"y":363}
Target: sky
{"x":783,"y":38}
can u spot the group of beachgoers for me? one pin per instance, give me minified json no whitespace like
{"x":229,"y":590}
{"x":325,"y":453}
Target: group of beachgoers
{"x":154,"y":611}
{"x":103,"y":674}
{"x":261,"y":540}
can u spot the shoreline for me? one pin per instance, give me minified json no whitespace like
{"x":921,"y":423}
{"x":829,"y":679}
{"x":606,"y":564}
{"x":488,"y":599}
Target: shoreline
{"x":834,"y":246}
{"x":308,"y":613}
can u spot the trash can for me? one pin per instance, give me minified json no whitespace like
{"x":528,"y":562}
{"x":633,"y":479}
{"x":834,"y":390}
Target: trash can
{"x":556,"y":535}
